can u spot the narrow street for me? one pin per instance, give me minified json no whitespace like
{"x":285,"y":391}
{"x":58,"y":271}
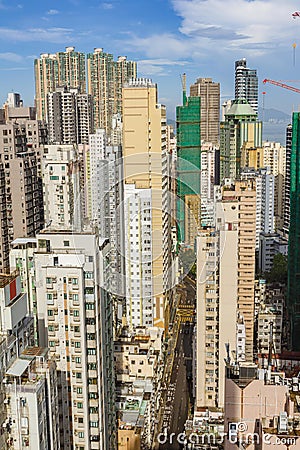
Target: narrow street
{"x":178,"y":396}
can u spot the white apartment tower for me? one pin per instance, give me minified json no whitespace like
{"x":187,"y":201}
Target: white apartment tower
{"x":75,"y":316}
{"x":61,"y":187}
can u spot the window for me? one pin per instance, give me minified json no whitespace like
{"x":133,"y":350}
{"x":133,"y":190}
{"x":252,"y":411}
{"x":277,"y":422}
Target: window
{"x":79,"y":405}
{"x":92,"y":366}
{"x":77,"y":344}
{"x":78,"y":360}
{"x":94,"y":424}
{"x":79,"y":390}
{"x":66,"y":243}
{"x":91,"y":351}
{"x":89,"y":306}
{"x":91,"y":336}
{"x":51,"y":343}
{"x":78,"y":375}
{"x":93,"y":410}
{"x":50,"y":312}
{"x":76,"y":312}
{"x":88,"y":275}
{"x":89,"y":290}
{"x":93,"y":395}
{"x":81,"y":434}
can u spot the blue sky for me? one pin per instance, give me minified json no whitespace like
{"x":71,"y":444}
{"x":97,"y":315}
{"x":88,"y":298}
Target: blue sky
{"x":166,"y":37}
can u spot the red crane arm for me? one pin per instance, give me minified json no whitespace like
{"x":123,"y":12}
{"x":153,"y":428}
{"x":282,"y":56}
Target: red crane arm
{"x":286,"y":86}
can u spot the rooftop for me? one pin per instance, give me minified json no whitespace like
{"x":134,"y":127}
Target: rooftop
{"x":5,"y":279}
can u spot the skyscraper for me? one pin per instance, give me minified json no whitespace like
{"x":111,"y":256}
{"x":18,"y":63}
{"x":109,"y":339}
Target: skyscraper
{"x":22,"y":201}
{"x":105,"y":80}
{"x":75,"y":322}
{"x":146,"y":218}
{"x":239,"y":127}
{"x":246,"y":83}
{"x":70,"y":116}
{"x":188,"y":168}
{"x":225,"y":291}
{"x":209,"y":92}
{"x":54,"y":70}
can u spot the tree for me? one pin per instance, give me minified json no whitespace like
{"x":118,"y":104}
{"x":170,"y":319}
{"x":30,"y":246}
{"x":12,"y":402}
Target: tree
{"x":278,"y":273}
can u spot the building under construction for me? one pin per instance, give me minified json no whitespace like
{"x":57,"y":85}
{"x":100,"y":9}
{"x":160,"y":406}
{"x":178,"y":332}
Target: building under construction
{"x":188,"y":168}
{"x":293,"y":300}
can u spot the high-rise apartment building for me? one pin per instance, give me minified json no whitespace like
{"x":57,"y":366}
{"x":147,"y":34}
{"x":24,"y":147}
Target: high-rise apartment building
{"x":188,"y":168}
{"x":265,"y":200}
{"x":246,"y":83}
{"x":105,"y":80}
{"x":61,"y":187}
{"x":70,"y":116}
{"x":274,"y":157}
{"x":16,"y":335}
{"x":207,"y":182}
{"x":146,"y":214}
{"x":75,"y":322}
{"x":32,"y":401}
{"x":287,"y":181}
{"x":225,"y":291}
{"x":22,"y":201}
{"x":240,"y":126}
{"x":209,"y":93}
{"x":54,"y":70}
{"x":103,"y":192}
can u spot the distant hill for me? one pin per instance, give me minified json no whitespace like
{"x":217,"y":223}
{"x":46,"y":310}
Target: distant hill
{"x":273,"y":115}
{"x":270,"y":115}
{"x":171,"y":122}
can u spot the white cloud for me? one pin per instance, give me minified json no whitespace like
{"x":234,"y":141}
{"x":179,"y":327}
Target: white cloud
{"x":238,"y":22}
{"x":158,"y":46}
{"x":54,"y":35}
{"x":158,"y":67}
{"x":8,"y":56}
{"x":212,"y":31}
{"x":52,"y":12}
{"x":107,"y":5}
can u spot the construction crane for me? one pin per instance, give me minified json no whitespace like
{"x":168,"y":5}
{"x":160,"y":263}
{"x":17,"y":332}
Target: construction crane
{"x":283,"y":85}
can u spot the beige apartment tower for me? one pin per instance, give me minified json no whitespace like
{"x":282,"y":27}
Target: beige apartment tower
{"x":225,"y":291}
{"x":105,"y":79}
{"x":145,"y":185}
{"x":209,"y":92}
